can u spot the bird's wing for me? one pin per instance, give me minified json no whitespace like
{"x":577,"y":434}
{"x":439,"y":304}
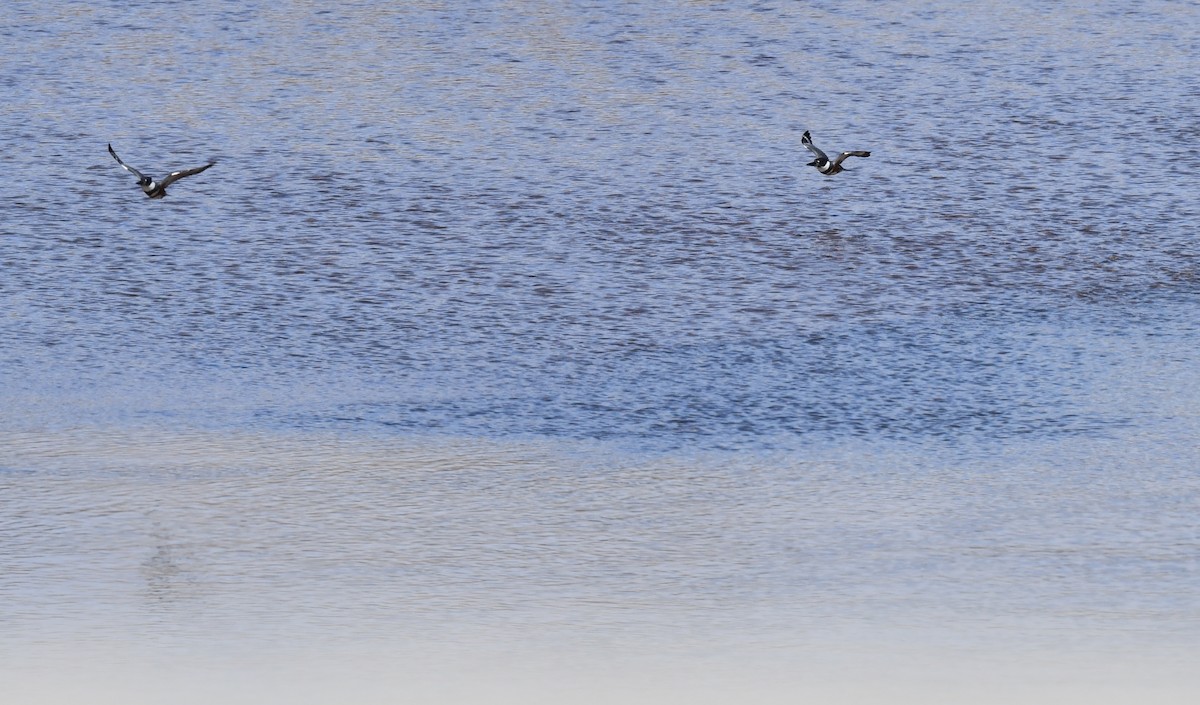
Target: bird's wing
{"x":125,"y":166}
{"x":177,"y":175}
{"x":806,"y":140}
{"x":855,"y":153}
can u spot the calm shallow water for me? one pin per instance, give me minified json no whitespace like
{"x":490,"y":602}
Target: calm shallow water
{"x":522,"y":325}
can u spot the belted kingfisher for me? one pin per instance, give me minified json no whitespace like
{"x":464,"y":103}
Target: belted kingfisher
{"x":822,"y":163}
{"x":152,"y":188}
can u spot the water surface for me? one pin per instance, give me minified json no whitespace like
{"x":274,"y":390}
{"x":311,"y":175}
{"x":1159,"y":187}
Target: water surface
{"x":516,"y":339}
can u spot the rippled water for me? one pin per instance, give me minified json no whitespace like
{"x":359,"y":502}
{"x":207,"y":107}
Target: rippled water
{"x":510,"y":321}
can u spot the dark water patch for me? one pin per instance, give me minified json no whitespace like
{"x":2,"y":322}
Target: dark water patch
{"x":897,"y":382}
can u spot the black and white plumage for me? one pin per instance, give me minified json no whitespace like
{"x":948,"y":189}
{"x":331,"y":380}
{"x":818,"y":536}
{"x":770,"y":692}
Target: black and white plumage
{"x":822,"y":162}
{"x":152,"y":188}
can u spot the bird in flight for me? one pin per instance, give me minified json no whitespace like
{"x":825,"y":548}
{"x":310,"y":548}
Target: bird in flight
{"x":152,"y":188}
{"x":822,"y":163}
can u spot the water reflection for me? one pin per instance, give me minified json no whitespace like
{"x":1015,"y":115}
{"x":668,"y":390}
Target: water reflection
{"x":447,"y":549}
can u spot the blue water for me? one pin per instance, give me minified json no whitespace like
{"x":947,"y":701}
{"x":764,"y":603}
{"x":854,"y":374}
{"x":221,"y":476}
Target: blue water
{"x":589,"y":225}
{"x":594,"y":222}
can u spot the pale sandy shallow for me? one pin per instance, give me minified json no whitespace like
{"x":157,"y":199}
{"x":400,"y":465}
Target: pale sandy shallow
{"x":149,"y":565}
{"x":469,"y":681}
